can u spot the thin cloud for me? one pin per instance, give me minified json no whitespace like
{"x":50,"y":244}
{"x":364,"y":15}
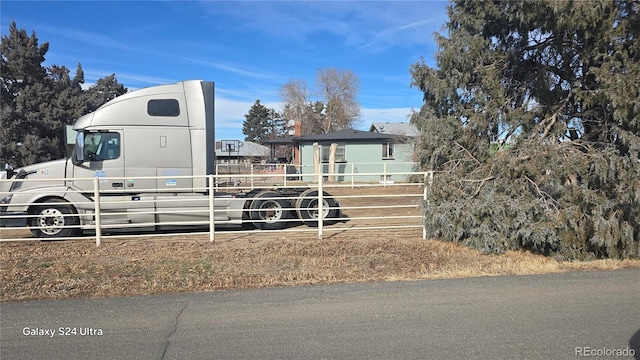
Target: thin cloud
{"x":85,"y":37}
{"x":363,"y":25}
{"x":293,"y":20}
{"x":390,"y":36}
{"x":258,"y":74}
{"x":370,"y":115}
{"x":131,"y":80}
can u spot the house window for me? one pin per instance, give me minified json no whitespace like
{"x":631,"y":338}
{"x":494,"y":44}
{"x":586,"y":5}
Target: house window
{"x":387,"y":151}
{"x":340,"y":153}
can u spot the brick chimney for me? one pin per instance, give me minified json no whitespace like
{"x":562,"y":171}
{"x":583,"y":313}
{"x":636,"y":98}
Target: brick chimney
{"x":297,"y":128}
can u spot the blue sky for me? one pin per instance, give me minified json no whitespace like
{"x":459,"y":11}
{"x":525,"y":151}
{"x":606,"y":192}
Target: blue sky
{"x":249,"y":48}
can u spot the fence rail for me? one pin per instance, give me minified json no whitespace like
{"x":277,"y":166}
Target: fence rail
{"x":346,"y":173}
{"x":363,"y":206}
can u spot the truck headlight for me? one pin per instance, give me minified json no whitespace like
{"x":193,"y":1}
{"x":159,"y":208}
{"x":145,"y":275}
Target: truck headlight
{"x":7,"y":199}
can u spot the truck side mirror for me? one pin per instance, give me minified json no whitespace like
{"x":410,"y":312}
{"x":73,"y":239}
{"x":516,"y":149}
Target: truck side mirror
{"x":9,"y":169}
{"x":77,"y":157}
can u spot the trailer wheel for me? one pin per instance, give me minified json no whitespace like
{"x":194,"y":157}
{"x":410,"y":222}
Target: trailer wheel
{"x":54,"y":218}
{"x":307,"y":207}
{"x":267,"y":211}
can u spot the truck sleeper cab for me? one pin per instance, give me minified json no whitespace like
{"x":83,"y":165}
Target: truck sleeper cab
{"x":150,"y":150}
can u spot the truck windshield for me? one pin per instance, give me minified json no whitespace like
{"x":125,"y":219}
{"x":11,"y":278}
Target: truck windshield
{"x":101,"y":146}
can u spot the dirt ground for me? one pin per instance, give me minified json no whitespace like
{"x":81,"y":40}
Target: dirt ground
{"x":361,"y":249}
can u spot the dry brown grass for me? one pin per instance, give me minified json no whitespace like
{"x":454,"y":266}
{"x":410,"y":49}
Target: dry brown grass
{"x":77,"y":268}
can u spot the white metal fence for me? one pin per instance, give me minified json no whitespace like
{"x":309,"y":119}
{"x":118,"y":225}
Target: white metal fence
{"x":364,"y":205}
{"x":348,"y":173}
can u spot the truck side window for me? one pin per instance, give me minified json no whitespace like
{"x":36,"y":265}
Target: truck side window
{"x":163,"y":107}
{"x":102,"y":146}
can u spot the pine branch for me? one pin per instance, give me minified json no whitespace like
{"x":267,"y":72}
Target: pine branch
{"x":553,"y":119}
{"x":468,"y":152}
{"x":481,"y":181}
{"x":543,"y":195}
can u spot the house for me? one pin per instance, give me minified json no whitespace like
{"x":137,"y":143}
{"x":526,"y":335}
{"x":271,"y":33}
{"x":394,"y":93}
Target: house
{"x":387,"y":147}
{"x":360,"y":155}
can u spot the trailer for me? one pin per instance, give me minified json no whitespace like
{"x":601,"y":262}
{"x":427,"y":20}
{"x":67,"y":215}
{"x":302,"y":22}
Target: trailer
{"x":150,"y":151}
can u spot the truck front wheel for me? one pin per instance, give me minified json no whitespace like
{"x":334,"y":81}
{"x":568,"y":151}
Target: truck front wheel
{"x":53,"y":219}
{"x":268,"y":211}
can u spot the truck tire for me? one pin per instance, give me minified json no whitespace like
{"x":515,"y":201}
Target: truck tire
{"x":307,"y":207}
{"x":53,"y":219}
{"x":268,"y":212}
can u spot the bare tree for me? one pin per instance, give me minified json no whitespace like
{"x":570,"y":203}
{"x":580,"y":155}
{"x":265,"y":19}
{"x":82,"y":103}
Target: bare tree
{"x":337,"y":108}
{"x":300,"y":108}
{"x":295,"y":96}
{"x":338,"y":89}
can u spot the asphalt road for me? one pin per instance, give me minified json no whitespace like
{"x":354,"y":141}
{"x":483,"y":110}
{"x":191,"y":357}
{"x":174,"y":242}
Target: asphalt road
{"x":559,"y":316}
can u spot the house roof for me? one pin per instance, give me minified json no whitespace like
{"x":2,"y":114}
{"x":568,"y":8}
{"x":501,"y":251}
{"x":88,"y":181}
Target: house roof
{"x":247,"y":149}
{"x":396,"y":128}
{"x":379,"y":131}
{"x":348,"y":134}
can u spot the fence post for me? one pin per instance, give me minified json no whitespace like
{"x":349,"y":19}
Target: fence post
{"x":384,"y":176}
{"x":428,"y":182}
{"x":320,"y":210}
{"x":217,"y":171}
{"x":252,"y":177}
{"x":96,"y":203}
{"x":284,"y":171}
{"x":212,"y":212}
{"x":352,"y":176}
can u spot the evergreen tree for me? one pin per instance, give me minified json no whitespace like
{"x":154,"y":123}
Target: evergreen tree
{"x":38,"y":101}
{"x":311,"y":116}
{"x":277,"y":124}
{"x":314,"y":117}
{"x":22,"y":76}
{"x":105,"y":89}
{"x":262,"y":123}
{"x":532,"y":120}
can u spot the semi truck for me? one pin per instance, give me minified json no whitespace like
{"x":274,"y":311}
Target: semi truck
{"x":150,"y":151}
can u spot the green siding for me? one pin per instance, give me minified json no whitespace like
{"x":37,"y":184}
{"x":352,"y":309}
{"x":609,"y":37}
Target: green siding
{"x":362,"y":158}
